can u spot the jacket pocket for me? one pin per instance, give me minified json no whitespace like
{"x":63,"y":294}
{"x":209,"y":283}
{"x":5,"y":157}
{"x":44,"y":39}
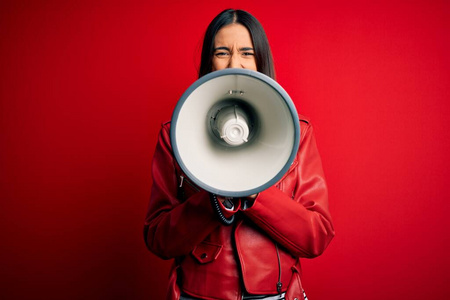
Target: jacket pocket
{"x":206,"y":252}
{"x":295,"y":289}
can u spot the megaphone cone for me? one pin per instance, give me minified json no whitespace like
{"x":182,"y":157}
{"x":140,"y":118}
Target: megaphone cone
{"x":235,"y":132}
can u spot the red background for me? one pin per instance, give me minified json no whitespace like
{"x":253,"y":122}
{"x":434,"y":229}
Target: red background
{"x":84,"y":87}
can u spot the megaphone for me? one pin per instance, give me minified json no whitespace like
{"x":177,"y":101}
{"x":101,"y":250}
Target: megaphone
{"x":235,"y":132}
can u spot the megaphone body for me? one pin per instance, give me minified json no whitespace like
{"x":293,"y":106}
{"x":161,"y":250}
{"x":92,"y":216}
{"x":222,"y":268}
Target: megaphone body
{"x":235,"y":132}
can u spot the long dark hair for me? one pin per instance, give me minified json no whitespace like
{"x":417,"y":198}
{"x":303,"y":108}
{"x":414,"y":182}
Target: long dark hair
{"x":263,"y":55}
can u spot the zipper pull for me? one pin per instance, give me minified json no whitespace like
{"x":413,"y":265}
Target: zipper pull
{"x":182,"y":179}
{"x":279,"y":285}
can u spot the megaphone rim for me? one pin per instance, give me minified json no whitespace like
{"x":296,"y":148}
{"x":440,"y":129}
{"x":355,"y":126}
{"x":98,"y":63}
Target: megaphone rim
{"x":225,"y":72}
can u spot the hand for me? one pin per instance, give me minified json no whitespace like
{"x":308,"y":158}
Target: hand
{"x":248,"y":201}
{"x":221,"y":198}
{"x":226,"y":201}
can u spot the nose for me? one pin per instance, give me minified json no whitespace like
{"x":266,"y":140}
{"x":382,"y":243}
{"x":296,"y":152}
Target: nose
{"x":235,"y":61}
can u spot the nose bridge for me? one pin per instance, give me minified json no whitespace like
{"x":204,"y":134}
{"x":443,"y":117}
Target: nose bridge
{"x":235,"y":61}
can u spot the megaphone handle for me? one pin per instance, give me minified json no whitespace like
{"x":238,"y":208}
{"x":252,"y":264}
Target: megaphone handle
{"x":218,"y":211}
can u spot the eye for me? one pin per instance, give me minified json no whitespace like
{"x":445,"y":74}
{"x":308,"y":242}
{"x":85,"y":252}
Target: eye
{"x":222,"y":54}
{"x":248,"y":54}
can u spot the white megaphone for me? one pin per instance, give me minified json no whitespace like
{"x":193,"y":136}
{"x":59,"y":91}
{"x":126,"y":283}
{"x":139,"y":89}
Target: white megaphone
{"x":235,"y":132}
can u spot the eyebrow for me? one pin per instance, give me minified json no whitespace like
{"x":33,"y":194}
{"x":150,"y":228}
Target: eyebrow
{"x":240,"y":49}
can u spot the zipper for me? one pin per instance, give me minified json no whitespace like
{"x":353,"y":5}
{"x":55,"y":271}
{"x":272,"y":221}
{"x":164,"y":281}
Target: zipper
{"x":185,"y":179}
{"x":279,"y":283}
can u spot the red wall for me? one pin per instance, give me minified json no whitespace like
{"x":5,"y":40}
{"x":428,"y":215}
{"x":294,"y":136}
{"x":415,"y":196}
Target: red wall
{"x":84,"y":87}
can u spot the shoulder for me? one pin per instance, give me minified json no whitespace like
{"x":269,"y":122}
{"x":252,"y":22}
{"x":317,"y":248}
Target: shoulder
{"x":164,"y":133}
{"x":304,"y":119}
{"x":305,"y":126}
{"x":165,"y":124}
{"x":165,"y":127}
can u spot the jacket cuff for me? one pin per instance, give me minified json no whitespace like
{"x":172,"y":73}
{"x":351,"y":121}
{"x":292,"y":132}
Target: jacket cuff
{"x":227,"y":212}
{"x":247,"y":202}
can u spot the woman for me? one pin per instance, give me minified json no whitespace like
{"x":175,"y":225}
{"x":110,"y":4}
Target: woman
{"x":257,"y":257}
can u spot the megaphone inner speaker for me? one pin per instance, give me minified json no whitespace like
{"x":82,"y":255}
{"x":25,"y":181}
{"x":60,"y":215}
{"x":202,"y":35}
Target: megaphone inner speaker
{"x":232,"y":122}
{"x":263,"y":125}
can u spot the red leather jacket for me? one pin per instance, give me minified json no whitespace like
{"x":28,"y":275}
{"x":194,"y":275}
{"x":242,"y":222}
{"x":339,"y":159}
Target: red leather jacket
{"x":260,"y":251}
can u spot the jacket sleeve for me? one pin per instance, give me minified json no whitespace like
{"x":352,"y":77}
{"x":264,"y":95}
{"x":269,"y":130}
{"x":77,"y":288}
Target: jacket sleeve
{"x":174,"y":227}
{"x":299,"y":219}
